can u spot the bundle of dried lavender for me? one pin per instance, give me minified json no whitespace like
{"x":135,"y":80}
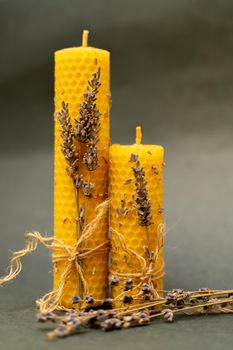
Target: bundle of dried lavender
{"x":203,"y":301}
{"x":86,"y":130}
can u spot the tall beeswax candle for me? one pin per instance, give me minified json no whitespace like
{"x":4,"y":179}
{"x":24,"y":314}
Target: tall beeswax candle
{"x":75,"y":208}
{"x":136,"y":215}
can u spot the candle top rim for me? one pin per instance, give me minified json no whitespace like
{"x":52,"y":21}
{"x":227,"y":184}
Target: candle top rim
{"x":80,"y":48}
{"x":142,"y":145}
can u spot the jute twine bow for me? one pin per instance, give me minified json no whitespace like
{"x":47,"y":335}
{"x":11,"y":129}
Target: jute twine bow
{"x":148,"y":272}
{"x":61,"y":252}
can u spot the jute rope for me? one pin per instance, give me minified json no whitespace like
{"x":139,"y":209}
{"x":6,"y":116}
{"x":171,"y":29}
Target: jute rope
{"x":61,"y":252}
{"x":149,"y":271}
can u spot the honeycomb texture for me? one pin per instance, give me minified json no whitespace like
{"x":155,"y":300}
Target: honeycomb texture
{"x":122,"y":187}
{"x":73,"y":68}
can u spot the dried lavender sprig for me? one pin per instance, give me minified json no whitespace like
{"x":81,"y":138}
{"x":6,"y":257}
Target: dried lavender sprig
{"x":143,"y":203}
{"x":87,"y":125}
{"x":213,"y":305}
{"x":67,"y":145}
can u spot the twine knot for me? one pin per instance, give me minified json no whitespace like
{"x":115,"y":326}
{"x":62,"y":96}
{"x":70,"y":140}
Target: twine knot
{"x":72,"y":255}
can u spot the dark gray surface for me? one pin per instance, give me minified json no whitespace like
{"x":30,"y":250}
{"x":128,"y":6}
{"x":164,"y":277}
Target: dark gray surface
{"x":172,"y":72}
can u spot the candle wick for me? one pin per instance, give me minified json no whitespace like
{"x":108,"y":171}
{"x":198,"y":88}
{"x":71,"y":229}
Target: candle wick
{"x":85,"y":38}
{"x":138,"y":135}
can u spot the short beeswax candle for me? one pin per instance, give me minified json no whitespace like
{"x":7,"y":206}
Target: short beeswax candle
{"x":81,"y":70}
{"x":136,"y":215}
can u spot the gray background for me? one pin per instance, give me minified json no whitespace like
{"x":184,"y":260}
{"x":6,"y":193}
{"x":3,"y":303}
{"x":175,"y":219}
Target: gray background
{"x":172,"y":72}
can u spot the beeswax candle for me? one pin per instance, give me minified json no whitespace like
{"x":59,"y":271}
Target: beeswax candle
{"x":136,"y":192}
{"x":74,"y":67}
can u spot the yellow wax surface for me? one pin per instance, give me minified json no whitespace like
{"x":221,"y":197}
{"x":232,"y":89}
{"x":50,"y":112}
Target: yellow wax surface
{"x":73,"y":68}
{"x":125,"y":221}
